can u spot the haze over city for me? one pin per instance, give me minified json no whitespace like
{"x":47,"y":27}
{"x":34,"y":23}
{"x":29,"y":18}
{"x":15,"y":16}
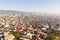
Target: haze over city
{"x":40,"y":6}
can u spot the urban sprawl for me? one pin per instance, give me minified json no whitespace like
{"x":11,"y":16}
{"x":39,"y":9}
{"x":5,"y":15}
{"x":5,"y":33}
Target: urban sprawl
{"x":29,"y":27}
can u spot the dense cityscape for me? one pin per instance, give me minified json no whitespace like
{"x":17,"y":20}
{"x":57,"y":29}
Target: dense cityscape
{"x":28,"y":26}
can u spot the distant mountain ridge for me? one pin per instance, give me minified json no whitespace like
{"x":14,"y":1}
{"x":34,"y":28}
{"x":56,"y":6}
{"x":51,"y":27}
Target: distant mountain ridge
{"x":9,"y":11}
{"x":12,"y":12}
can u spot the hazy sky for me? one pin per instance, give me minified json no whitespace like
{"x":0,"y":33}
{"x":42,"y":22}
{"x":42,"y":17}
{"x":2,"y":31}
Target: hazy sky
{"x":42,"y":6}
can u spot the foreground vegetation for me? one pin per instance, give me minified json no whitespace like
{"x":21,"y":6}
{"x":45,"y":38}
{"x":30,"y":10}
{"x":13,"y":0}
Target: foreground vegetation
{"x":55,"y":35}
{"x":17,"y":35}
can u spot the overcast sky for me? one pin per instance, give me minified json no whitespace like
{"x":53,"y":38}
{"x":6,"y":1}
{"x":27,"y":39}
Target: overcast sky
{"x":42,"y":6}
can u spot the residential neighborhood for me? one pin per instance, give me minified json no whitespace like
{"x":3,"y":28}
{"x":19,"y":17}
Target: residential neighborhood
{"x":18,"y":27}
